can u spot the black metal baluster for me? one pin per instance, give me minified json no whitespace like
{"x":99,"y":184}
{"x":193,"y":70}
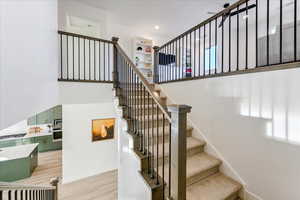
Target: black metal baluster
{"x":26,"y":195}
{"x":152,"y":173}
{"x":89,"y":60}
{"x":295,"y":29}
{"x":9,"y":195}
{"x":170,"y":157}
{"x":1,"y":195}
{"x":216,"y":43}
{"x":108,"y":62}
{"x":229,"y":45}
{"x":238,"y":39}
{"x":165,"y":65}
{"x":84,"y":59}
{"x":94,"y":60}
{"x":204,"y":59}
{"x":194,"y":69}
{"x":61,"y":57}
{"x":209,"y":48}
{"x":190,"y":68}
{"x":144,"y":121}
{"x":99,"y":61}
{"x":199,"y":71}
{"x":186,"y":53}
{"x":222,"y":70}
{"x":163,"y":153}
{"x":268,"y":30}
{"x":136,"y":95}
{"x":67,"y":57}
{"x":247,"y":34}
{"x":104,"y":60}
{"x":168,"y":62}
{"x":16,"y":194}
{"x":280,"y":33}
{"x":174,"y":61}
{"x":79,"y":77}
{"x":256,"y":33}
{"x":148,"y":133}
{"x":73,"y":58}
{"x":21,"y":195}
{"x":183,"y":62}
{"x":157,"y":144}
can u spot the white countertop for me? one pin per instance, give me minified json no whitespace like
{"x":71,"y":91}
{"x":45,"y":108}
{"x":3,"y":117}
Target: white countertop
{"x":28,"y":135}
{"x":16,"y":152}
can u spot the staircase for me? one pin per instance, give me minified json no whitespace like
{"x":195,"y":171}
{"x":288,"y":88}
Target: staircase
{"x":204,"y":179}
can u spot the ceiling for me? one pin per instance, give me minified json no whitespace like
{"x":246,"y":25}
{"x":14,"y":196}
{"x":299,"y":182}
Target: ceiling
{"x":172,"y":16}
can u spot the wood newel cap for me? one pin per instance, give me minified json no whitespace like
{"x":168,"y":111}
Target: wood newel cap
{"x":54,"y":181}
{"x":115,"y":39}
{"x":179,"y":108}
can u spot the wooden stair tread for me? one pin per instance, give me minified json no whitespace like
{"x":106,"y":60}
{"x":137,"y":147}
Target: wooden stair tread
{"x":197,"y":167}
{"x":201,"y":162}
{"x":192,"y":144}
{"x":215,"y":187}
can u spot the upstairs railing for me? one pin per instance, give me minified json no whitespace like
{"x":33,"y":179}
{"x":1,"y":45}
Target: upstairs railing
{"x":83,"y":58}
{"x":160,"y":136}
{"x":248,"y":36}
{"x":12,"y":191}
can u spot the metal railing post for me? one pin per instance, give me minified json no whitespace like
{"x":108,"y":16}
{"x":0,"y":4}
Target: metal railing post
{"x":54,"y":183}
{"x":178,"y":149}
{"x":156,"y":64}
{"x":115,"y":64}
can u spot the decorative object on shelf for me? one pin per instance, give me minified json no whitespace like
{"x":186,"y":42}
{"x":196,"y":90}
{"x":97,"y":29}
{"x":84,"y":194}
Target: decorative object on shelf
{"x":103,"y":129}
{"x":143,"y":55}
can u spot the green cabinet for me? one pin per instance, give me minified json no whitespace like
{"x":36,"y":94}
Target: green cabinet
{"x":46,"y":117}
{"x":20,"y":168}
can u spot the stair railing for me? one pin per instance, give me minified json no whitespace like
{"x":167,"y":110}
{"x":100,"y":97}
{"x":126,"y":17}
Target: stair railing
{"x":159,"y":132}
{"x":248,"y":36}
{"x":84,"y":59}
{"x":12,"y":191}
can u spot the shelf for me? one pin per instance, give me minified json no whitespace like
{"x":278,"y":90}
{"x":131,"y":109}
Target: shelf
{"x":144,"y":53}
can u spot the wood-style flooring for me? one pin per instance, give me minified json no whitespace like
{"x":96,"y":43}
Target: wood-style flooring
{"x":99,"y":187}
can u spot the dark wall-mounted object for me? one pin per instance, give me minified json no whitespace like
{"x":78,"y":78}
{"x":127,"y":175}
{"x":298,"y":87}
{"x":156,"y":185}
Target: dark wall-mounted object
{"x":166,"y":59}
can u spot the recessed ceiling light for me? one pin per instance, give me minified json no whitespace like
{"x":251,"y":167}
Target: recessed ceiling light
{"x":156,"y":27}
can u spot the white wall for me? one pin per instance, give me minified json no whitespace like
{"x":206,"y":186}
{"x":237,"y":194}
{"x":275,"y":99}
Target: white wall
{"x":110,"y":26}
{"x":85,"y":93}
{"x":82,"y":157}
{"x":253,"y":122}
{"x":28,"y":47}
{"x":131,"y":185}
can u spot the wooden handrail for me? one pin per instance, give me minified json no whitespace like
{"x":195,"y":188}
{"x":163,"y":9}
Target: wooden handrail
{"x":144,"y":82}
{"x":84,"y":36}
{"x":225,"y":11}
{"x":13,"y":186}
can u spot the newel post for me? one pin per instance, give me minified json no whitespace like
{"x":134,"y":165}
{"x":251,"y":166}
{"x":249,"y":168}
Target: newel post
{"x":156,"y":64}
{"x":178,"y":150}
{"x":54,"y":183}
{"x":115,"y":67}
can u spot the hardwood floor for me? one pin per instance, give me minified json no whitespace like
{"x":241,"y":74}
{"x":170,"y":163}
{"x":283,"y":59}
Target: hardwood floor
{"x":49,"y":166}
{"x":99,"y":187}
